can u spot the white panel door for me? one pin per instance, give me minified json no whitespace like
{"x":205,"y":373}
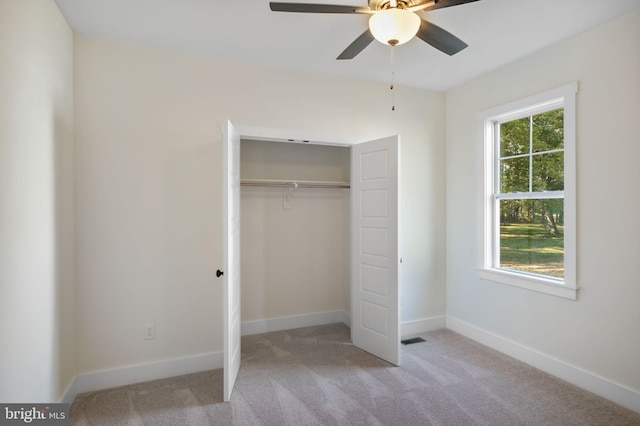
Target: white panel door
{"x":375,"y":322}
{"x":231,"y":250}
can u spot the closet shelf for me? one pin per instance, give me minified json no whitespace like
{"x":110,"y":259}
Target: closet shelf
{"x":276,"y":183}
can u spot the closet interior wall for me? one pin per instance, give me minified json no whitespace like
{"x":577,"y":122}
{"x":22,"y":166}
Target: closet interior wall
{"x":294,"y":242}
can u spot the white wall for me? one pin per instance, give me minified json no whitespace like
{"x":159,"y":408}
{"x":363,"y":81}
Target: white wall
{"x":598,"y":333}
{"x":148,"y":188}
{"x":37,"y":354}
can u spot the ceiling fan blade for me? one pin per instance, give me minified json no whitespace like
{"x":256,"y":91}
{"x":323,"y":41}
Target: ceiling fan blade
{"x":439,"y":4}
{"x":439,"y":38}
{"x":315,"y":8}
{"x":357,"y":46}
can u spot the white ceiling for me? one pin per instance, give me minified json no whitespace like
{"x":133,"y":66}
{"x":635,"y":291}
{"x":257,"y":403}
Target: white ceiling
{"x":497,"y":32}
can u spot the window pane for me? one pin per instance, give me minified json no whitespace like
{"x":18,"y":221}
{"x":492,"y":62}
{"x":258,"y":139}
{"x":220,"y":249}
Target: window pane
{"x":548,"y":172}
{"x":548,"y":131}
{"x":514,"y":175}
{"x":531,"y":236}
{"x":514,"y":137}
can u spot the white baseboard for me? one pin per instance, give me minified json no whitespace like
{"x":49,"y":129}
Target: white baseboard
{"x":294,"y":321}
{"x":591,"y":382}
{"x":413,"y":328}
{"x":140,"y":373}
{"x":105,"y":379}
{"x":409,"y":328}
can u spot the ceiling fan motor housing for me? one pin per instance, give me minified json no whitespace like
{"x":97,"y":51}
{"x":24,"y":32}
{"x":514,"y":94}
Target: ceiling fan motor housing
{"x":386,"y":4}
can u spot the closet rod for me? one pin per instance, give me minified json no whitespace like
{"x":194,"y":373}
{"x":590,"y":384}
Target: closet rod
{"x":293,"y":184}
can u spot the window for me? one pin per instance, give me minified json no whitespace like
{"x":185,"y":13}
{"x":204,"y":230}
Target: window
{"x":529,"y":193}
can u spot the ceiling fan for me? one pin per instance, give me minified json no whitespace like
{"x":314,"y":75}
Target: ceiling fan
{"x":392,"y":22}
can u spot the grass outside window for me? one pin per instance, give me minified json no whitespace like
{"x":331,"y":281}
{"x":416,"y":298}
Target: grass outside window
{"x":530,"y":248}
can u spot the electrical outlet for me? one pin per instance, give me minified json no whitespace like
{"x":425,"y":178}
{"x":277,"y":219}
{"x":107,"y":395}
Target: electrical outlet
{"x":149,"y":331}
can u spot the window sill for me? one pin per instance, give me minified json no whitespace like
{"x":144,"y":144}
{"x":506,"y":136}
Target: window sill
{"x":530,"y":282}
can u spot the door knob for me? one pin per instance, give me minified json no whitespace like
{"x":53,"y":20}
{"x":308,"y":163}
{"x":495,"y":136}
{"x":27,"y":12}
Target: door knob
{"x":219,"y":273}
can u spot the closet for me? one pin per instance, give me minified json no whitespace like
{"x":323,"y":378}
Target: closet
{"x":295,"y":238}
{"x":306,"y":235}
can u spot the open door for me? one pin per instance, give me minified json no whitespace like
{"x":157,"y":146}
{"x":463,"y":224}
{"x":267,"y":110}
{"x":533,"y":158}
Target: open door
{"x":375,"y":321}
{"x":231,"y":253}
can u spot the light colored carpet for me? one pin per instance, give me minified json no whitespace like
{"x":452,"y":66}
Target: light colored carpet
{"x":314,"y":376}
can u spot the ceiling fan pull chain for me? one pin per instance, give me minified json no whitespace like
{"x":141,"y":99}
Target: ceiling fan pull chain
{"x":393,"y":74}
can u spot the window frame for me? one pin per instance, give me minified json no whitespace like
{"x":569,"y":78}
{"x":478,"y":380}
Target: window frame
{"x":561,"y":97}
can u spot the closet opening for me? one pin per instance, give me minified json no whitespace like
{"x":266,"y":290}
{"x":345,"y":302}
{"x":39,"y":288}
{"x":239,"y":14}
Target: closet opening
{"x":320,"y":249}
{"x":295,"y":235}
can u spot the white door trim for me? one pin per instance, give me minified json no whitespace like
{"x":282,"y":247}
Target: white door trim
{"x":231,"y":261}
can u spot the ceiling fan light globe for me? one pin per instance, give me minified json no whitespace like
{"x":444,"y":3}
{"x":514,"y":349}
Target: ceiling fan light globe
{"x":394,"y":26}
